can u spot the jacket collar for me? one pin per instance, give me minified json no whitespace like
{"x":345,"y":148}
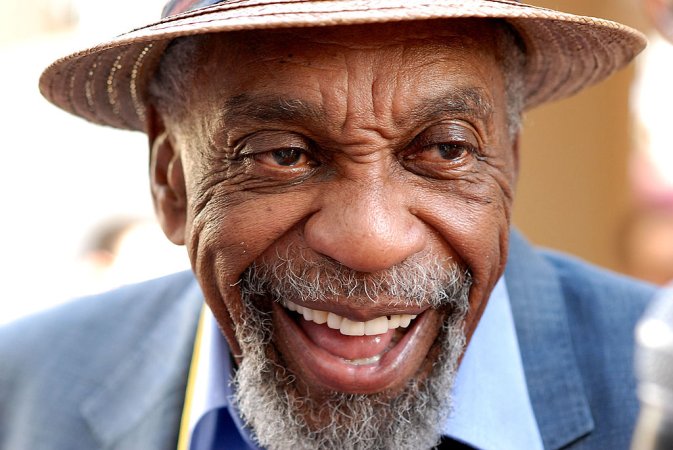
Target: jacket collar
{"x":153,"y":374}
{"x":553,"y":377}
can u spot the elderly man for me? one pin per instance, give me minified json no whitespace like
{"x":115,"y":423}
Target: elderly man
{"x":341,"y":173}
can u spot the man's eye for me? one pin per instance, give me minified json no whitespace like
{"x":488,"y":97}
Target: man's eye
{"x":443,"y":146}
{"x":451,"y":151}
{"x":285,"y":157}
{"x":444,"y":152}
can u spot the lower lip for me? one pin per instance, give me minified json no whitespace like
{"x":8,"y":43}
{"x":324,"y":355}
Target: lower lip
{"x":320,"y":369}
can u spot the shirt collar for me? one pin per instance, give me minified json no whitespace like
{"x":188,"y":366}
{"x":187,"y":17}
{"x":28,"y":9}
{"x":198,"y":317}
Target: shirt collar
{"x":491,"y":409}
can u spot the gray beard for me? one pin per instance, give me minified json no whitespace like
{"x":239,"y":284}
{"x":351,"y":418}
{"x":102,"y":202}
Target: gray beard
{"x":266,"y":393}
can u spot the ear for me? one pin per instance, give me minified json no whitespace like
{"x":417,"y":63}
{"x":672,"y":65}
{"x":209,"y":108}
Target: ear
{"x":167,"y":179}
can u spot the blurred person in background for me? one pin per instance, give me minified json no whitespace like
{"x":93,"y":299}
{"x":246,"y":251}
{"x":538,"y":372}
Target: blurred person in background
{"x":647,"y":240}
{"x":661,"y":15}
{"x":32,"y":32}
{"x":123,"y":250}
{"x":342,"y":175}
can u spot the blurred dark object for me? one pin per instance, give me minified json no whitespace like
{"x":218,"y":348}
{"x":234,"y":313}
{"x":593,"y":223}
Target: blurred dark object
{"x":654,"y":370}
{"x":660,"y":13}
{"x":102,"y":245}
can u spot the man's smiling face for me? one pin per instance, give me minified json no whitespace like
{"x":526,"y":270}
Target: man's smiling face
{"x":340,"y":188}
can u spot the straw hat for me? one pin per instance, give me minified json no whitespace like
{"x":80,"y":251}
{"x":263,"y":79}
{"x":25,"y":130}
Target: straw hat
{"x":107,"y":84}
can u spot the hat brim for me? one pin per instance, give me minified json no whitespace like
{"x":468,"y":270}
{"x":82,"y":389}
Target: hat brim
{"x":107,"y":84}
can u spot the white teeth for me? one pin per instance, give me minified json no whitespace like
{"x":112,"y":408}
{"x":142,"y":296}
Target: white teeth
{"x":376,"y":326}
{"x":349,"y":327}
{"x":352,"y":328}
{"x":405,"y":320}
{"x":394,"y":321}
{"x":319,"y":317}
{"x":364,"y":361}
{"x":334,"y":321}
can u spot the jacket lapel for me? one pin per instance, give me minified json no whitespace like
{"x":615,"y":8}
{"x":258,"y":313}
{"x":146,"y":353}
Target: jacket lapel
{"x":553,"y":378}
{"x":139,"y":403}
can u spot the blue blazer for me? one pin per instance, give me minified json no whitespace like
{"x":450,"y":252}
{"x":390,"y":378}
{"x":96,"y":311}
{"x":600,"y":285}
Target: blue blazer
{"x":109,"y":372}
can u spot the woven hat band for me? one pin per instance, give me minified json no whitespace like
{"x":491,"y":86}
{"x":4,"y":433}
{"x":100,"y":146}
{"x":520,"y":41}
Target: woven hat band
{"x":179,"y":6}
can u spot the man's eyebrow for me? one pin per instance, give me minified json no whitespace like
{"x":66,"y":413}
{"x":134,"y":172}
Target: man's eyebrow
{"x":465,"y":101}
{"x":269,"y":108}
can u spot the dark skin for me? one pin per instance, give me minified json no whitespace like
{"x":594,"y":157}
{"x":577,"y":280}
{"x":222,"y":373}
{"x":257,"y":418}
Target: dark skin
{"x":367,"y":145}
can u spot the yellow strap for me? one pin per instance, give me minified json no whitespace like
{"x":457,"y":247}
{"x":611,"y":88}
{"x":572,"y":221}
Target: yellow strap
{"x":184,"y":436}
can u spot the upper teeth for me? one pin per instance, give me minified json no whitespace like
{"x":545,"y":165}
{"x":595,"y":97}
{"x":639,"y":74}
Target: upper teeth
{"x":349,"y":327}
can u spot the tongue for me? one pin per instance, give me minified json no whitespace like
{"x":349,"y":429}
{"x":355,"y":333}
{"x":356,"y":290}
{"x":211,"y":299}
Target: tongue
{"x":347,"y":347}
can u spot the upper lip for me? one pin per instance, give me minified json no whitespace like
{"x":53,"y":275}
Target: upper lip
{"x":362,"y":313}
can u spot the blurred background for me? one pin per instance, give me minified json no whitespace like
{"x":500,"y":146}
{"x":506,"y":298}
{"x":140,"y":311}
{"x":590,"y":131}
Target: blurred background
{"x":596,"y":180}
{"x":77,"y":216}
{"x":597,"y":169}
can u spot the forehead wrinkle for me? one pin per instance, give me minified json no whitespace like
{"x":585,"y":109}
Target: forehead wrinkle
{"x":368,"y":91}
{"x":375,"y":107}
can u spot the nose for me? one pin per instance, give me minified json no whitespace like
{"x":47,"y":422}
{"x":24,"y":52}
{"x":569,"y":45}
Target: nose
{"x":365,"y":227}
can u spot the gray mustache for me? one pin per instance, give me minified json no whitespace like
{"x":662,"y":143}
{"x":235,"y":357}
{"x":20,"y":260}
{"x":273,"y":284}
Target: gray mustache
{"x":420,"y":282}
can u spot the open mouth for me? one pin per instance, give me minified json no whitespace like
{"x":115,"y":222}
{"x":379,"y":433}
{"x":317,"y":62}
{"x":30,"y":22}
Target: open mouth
{"x":330,"y":351}
{"x":358,"y":343}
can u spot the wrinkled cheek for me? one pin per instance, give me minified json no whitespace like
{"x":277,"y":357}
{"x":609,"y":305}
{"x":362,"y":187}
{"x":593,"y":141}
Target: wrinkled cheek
{"x":491,"y":248}
{"x":217,"y":271}
{"x":487,"y":262}
{"x":213,"y":258}
{"x":217,"y":243}
{"x":475,"y":225}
